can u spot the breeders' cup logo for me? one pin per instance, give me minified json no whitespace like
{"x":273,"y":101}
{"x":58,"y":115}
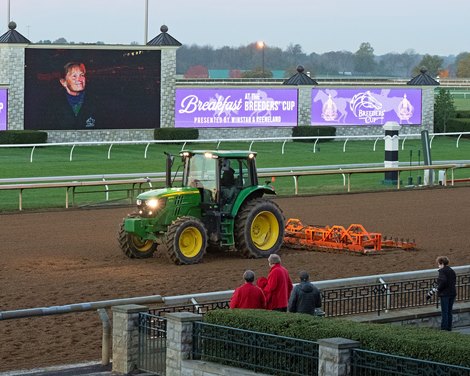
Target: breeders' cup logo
{"x":90,"y":122}
{"x":367,"y":108}
{"x":329,"y":110}
{"x":405,"y":109}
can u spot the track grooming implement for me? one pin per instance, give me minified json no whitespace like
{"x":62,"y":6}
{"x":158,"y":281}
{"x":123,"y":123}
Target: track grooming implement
{"x":337,"y":238}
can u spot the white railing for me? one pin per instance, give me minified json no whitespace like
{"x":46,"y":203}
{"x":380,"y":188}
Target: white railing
{"x":219,"y":141}
{"x":35,"y":183}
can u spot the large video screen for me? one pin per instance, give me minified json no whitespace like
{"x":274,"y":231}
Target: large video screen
{"x":3,"y":109}
{"x":366,"y":106}
{"x":233,"y":108}
{"x":85,"y":89}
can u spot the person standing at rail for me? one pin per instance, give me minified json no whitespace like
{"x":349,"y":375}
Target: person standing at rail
{"x":279,"y":286}
{"x":305,"y":297}
{"x":446,"y":291}
{"x":248,"y":295}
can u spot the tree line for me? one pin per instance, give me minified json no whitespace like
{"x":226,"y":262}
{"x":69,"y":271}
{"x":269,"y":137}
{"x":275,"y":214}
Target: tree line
{"x":252,"y":61}
{"x":259,"y":60}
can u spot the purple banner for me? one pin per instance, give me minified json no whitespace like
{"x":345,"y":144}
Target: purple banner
{"x":3,"y":109}
{"x":366,"y":106}
{"x":232,"y":108}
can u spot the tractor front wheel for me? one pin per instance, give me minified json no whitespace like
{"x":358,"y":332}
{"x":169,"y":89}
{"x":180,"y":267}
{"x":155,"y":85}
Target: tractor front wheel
{"x":133,"y":246}
{"x":186,"y":241}
{"x":259,"y":229}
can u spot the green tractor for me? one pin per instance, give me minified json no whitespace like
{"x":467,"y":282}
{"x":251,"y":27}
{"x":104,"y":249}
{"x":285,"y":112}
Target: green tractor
{"x":218,"y":205}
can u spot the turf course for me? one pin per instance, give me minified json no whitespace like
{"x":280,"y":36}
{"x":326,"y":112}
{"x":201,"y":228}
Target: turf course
{"x":127,"y":159}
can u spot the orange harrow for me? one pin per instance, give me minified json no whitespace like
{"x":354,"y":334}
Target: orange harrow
{"x":355,"y":238}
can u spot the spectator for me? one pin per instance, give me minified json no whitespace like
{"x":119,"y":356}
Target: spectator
{"x":279,"y":286}
{"x":446,"y":291}
{"x":305,"y":298}
{"x":248,"y":295}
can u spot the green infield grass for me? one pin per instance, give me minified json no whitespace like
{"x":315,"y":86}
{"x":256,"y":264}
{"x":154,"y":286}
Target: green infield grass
{"x":130,"y":159}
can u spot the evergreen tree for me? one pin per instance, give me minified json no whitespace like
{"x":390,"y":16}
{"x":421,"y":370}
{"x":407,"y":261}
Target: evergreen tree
{"x":432,"y":63}
{"x":463,"y":67}
{"x":444,"y":109}
{"x":364,"y":59}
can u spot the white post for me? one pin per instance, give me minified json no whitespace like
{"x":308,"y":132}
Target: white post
{"x":8,"y":12}
{"x":391,"y":129}
{"x":146,"y":23}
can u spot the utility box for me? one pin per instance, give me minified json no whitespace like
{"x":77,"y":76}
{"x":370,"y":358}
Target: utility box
{"x":428,"y":177}
{"x":442,"y":179}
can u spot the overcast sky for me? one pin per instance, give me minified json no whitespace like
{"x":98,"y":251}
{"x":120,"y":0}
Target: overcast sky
{"x":425,"y":26}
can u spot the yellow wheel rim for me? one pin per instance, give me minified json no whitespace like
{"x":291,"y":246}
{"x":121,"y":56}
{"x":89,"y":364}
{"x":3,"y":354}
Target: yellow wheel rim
{"x":141,"y":245}
{"x":265,"y":230}
{"x":190,"y":242}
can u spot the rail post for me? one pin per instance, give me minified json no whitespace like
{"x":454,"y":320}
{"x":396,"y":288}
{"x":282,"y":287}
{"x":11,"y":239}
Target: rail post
{"x":106,"y":339}
{"x":392,"y":139}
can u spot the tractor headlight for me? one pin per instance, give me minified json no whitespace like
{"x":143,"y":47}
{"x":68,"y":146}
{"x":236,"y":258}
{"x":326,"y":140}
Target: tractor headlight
{"x":150,"y":207}
{"x":152,"y":204}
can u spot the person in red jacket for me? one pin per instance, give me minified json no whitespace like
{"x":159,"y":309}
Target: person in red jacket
{"x":248,"y":295}
{"x":279,"y":286}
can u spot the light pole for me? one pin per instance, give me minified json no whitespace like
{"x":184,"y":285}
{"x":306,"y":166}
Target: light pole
{"x":146,"y":22}
{"x":8,"y":12}
{"x":261,"y":45}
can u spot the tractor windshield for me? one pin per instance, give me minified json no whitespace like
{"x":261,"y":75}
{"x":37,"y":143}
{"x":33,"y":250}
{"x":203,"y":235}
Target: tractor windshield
{"x":200,"y":172}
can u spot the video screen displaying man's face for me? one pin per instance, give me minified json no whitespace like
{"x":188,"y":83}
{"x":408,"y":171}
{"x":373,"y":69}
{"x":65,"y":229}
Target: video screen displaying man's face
{"x":85,"y":89}
{"x":74,"y":81}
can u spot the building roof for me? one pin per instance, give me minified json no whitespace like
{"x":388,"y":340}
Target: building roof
{"x":423,"y":79}
{"x":12,"y":36}
{"x":300,"y":78}
{"x":164,"y":39}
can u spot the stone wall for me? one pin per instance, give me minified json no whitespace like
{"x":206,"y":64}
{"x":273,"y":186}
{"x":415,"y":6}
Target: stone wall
{"x":12,"y":75}
{"x":105,"y":135}
{"x":168,"y":88}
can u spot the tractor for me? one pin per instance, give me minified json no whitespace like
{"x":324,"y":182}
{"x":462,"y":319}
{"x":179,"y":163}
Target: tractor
{"x":219,"y":205}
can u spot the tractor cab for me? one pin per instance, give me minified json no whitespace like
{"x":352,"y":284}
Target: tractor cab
{"x":219,"y":176}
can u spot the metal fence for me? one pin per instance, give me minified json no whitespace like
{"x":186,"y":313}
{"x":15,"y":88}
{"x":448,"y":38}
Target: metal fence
{"x":385,"y":296}
{"x":152,"y":343}
{"x":254,"y":351}
{"x":152,"y":333}
{"x":370,"y":363}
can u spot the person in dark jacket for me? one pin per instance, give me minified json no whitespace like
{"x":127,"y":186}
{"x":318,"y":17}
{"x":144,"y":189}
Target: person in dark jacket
{"x":306,"y":297}
{"x":446,"y":291}
{"x":248,"y":295}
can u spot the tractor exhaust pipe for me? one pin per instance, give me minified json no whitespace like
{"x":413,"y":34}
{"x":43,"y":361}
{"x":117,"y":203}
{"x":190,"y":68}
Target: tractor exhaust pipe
{"x":169,"y":164}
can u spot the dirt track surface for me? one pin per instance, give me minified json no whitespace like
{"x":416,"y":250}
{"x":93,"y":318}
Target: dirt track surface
{"x":67,"y":257}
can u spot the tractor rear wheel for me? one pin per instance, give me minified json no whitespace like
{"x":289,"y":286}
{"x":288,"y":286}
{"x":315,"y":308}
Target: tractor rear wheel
{"x":259,"y":228}
{"x":186,"y":241}
{"x":133,"y":246}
